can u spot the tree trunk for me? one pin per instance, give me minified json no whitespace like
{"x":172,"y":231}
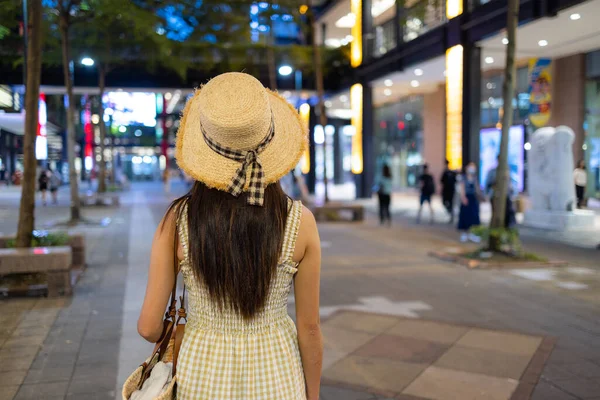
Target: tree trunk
{"x":66,"y":60}
{"x":508,"y":93}
{"x":32,"y":94}
{"x":102,"y":169}
{"x":321,"y":101}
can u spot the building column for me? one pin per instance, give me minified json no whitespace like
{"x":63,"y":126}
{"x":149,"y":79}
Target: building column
{"x":364,"y":180}
{"x":471,"y":110}
{"x":367,"y":29}
{"x":434,"y":130}
{"x":398,"y":26}
{"x":568,"y":98}
{"x":338,"y":165}
{"x":311,"y":177}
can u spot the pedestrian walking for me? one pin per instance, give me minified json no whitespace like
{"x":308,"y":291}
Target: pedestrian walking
{"x":167,"y":180}
{"x":448,"y":181}
{"x":384,"y":193}
{"x":43,"y":181}
{"x":239,"y":242}
{"x":427,"y":189}
{"x":3,"y":178}
{"x":299,"y":189}
{"x":55,"y":182}
{"x":470,"y":194}
{"x":580,"y":178}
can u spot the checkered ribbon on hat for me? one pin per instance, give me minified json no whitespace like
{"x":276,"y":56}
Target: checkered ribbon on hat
{"x":248,"y":158}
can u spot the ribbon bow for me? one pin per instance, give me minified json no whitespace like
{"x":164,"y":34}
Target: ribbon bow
{"x":249,"y":159}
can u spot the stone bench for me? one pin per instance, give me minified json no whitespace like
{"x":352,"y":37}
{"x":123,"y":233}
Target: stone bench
{"x":55,"y":262}
{"x":334,"y":212}
{"x":99,"y":199}
{"x":76,"y":242}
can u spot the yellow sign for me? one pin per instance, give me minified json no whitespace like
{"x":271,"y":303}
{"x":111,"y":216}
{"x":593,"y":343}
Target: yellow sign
{"x":356,"y":104}
{"x":454,"y":100}
{"x":305,"y":116}
{"x":540,"y":91}
{"x":454,"y":8}
{"x":356,"y":44}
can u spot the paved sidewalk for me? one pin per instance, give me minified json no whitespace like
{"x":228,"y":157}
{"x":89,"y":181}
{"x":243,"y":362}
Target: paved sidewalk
{"x":407,"y":358}
{"x":396,"y":322}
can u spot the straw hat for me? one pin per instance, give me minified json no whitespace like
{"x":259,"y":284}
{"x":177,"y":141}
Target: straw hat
{"x":234,"y":111}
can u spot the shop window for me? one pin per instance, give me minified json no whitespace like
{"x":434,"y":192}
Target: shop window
{"x":384,"y":38}
{"x":591,"y":146}
{"x":422,"y":16}
{"x":492,"y":103}
{"x":399,"y":140}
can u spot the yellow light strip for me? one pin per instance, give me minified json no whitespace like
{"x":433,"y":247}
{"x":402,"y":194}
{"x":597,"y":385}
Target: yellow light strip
{"x":454,"y":8}
{"x":305,"y":160}
{"x":356,"y":104}
{"x":356,"y":44}
{"x":454,"y":100}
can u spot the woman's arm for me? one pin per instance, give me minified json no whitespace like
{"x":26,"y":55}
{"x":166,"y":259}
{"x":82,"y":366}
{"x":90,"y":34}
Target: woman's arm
{"x":160,"y":280}
{"x":306,"y":290}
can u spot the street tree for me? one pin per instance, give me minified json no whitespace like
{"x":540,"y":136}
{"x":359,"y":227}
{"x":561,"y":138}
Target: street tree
{"x":508,"y":91}
{"x":64,"y":14}
{"x":118,"y":33}
{"x":321,"y":99}
{"x":32,"y":93}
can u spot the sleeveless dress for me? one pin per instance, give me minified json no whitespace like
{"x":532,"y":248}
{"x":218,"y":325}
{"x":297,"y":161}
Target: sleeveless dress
{"x":469,"y":214}
{"x":223,"y":357}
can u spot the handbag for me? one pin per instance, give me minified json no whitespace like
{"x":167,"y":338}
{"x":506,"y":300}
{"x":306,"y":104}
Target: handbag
{"x":167,"y":347}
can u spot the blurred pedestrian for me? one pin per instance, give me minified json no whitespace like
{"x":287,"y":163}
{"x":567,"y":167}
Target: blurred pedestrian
{"x":299,"y":189}
{"x":167,"y":180}
{"x":448,"y":181}
{"x":384,"y":193}
{"x":235,"y":243}
{"x":43,"y":181}
{"x":470,"y":193}
{"x":55,"y":182}
{"x":580,"y":178}
{"x":3,"y":178}
{"x":427,"y":189}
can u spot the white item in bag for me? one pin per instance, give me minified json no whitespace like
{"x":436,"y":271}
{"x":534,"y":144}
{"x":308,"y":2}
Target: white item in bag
{"x":156,"y":382}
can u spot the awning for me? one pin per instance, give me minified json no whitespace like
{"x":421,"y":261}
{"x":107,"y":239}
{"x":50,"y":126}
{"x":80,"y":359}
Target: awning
{"x":15,"y":123}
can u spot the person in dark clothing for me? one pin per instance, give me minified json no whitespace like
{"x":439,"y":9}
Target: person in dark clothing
{"x":385,"y":195}
{"x":43,"y":181}
{"x":448,"y":181}
{"x":470,"y":195}
{"x":427,"y":186}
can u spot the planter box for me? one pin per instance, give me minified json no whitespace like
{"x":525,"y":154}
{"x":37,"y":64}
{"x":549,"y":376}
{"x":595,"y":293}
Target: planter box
{"x":100,"y":199}
{"x":54,"y":262}
{"x":471,"y":263}
{"x":76,"y":242}
{"x":339,"y":212}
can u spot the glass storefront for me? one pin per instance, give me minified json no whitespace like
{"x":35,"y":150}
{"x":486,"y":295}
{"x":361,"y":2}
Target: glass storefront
{"x":399,"y":140}
{"x":592,"y":141}
{"x":492,"y":103}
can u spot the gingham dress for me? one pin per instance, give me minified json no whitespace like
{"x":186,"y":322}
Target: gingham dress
{"x":224,"y":357}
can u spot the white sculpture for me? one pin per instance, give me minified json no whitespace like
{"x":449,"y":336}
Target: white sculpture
{"x":551,"y":185}
{"x":551,"y":166}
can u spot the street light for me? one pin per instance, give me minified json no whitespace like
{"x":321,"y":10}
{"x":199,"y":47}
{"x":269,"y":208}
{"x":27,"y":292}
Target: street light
{"x":285,"y":70}
{"x":88,"y":62}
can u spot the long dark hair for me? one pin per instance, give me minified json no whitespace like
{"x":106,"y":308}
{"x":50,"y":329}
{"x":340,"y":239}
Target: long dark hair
{"x":234,"y":247}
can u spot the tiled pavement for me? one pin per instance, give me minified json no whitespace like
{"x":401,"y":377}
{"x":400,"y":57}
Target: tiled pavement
{"x":459,"y":336}
{"x":400,"y":357}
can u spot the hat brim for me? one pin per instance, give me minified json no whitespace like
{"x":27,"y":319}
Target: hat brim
{"x":200,"y":162}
